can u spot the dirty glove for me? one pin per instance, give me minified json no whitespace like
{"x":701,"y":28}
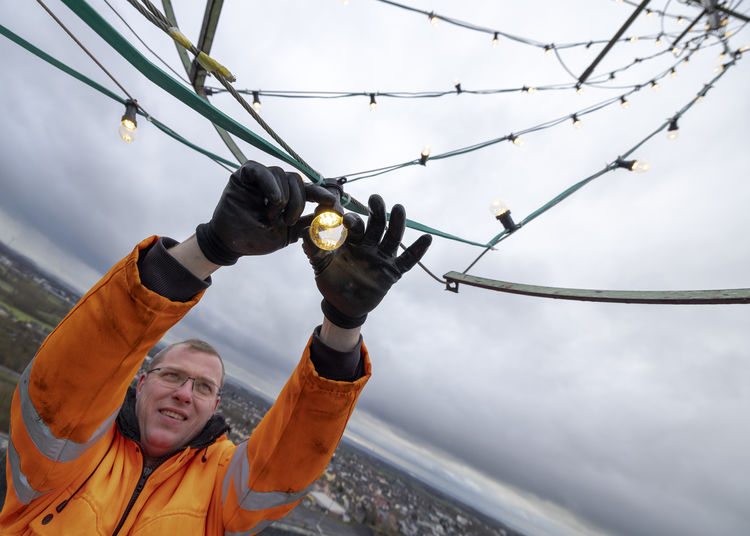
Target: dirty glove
{"x":354,"y":278}
{"x":258,"y":213}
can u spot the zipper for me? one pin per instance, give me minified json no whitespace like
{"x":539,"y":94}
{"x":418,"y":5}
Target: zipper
{"x":136,"y":492}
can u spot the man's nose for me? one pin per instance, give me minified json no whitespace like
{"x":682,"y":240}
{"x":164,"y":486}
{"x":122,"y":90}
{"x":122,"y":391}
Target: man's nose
{"x":185,"y":391}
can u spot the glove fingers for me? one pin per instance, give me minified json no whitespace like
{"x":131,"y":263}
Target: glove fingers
{"x":395,"y":231}
{"x":317,"y":194}
{"x":296,"y":198}
{"x":276,"y":206}
{"x":376,"y":221}
{"x":355,"y":227}
{"x":316,"y":255}
{"x":300,"y":228}
{"x":413,"y":253}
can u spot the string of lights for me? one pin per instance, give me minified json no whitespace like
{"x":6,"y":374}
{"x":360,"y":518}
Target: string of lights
{"x":515,"y":136}
{"x":510,"y":227}
{"x":434,"y":18}
{"x":109,"y":34}
{"x":459,"y":88}
{"x":620,"y":162}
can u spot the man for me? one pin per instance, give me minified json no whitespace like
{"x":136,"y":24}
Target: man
{"x":82,"y":461}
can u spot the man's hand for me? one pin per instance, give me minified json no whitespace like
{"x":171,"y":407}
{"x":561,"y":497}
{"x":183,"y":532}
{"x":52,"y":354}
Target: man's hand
{"x":354,"y":278}
{"x":257,"y":213}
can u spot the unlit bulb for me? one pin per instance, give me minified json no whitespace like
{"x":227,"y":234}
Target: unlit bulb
{"x":327,"y":230}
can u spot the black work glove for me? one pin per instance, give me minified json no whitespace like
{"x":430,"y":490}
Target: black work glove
{"x":354,"y":278}
{"x":258,"y":213}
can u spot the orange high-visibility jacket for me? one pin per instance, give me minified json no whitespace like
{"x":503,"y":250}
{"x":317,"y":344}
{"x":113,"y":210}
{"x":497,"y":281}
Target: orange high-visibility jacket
{"x":70,"y":471}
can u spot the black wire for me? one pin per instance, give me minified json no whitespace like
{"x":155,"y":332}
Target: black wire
{"x":145,"y":45}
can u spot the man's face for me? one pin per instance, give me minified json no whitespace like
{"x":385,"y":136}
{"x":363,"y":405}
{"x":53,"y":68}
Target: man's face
{"x":170,"y":417}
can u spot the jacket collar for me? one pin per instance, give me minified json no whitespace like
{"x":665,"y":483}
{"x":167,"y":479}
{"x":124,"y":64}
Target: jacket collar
{"x":127,"y":424}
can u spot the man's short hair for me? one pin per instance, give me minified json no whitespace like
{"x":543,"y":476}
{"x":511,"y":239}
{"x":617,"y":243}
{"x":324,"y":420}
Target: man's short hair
{"x":194,"y":344}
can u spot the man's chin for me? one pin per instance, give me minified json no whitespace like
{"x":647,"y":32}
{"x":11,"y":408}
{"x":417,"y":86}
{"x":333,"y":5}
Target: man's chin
{"x":161,"y":445}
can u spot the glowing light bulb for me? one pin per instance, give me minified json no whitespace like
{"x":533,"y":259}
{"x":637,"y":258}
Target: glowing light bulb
{"x":547,"y":49}
{"x":673,"y":73}
{"x":327,"y":230}
{"x":373,"y":104}
{"x":433,"y":19}
{"x":495,"y":40}
{"x":680,"y":21}
{"x":500,"y":209}
{"x":719,"y":68}
{"x":576,"y":122}
{"x":676,"y":51}
{"x":728,"y":33}
{"x":256,"y":101}
{"x":655,"y":85}
{"x":640,"y":166}
{"x":128,"y":128}
{"x":612,"y":78}
{"x":579,"y":89}
{"x":637,"y":166}
{"x":424,"y":155}
{"x":633,"y":39}
{"x":658,"y":40}
{"x":649,"y":13}
{"x":624,"y":103}
{"x":517,"y":140}
{"x":673,"y":131}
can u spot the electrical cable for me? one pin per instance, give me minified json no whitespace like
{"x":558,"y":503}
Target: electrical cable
{"x":146,"y":45}
{"x":90,"y":55}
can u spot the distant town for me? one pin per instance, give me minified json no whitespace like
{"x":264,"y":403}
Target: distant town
{"x":359,"y":494}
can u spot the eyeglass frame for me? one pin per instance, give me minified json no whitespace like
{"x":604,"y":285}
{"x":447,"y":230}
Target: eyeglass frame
{"x":192,"y":389}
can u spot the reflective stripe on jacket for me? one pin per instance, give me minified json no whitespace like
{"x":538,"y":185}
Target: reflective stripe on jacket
{"x":70,"y":471}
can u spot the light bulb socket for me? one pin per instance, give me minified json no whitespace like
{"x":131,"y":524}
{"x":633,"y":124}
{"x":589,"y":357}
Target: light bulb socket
{"x":333,"y":186}
{"x":507,"y":220}
{"x":131,"y":110}
{"x":458,"y":88}
{"x":626,"y":164}
{"x":637,"y":166}
{"x":673,"y":126}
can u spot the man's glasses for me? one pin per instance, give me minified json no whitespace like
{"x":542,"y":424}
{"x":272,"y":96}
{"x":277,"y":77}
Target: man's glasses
{"x":175,"y":378}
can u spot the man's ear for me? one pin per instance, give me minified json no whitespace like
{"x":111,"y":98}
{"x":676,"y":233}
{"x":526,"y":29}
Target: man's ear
{"x":139,"y":385}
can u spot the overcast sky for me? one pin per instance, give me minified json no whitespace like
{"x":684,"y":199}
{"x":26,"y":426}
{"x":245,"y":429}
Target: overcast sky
{"x":558,"y":417}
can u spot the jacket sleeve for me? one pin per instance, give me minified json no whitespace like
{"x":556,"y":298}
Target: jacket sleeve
{"x":273,"y":470}
{"x":69,"y":395}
